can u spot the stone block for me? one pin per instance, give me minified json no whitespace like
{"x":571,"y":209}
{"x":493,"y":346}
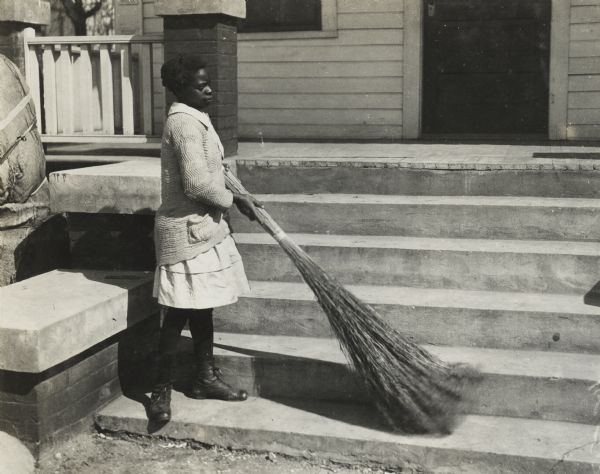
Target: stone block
{"x":234,"y":8}
{"x":30,"y":250}
{"x":48,"y":407}
{"x":33,"y":12}
{"x":52,"y":317}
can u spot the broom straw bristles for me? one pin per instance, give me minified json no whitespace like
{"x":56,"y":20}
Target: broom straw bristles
{"x":414,"y":391}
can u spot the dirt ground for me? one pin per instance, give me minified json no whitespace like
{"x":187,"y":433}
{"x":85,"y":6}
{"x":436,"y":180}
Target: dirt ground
{"x":105,"y":454}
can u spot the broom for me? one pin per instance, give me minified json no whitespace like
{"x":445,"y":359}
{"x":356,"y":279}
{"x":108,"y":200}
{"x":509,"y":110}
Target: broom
{"x":413,"y":390}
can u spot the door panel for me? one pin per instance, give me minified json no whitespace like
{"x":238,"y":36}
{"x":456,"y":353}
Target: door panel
{"x":486,"y":66}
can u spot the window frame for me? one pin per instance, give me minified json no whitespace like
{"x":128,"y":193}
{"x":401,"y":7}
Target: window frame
{"x":328,"y":27}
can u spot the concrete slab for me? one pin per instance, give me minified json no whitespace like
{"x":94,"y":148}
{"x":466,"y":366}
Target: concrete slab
{"x":535,"y":321}
{"x":527,"y":384}
{"x":349,"y":433}
{"x":52,"y":317}
{"x":473,"y":264}
{"x":129,"y":187}
{"x":441,"y":176}
{"x":496,"y":217}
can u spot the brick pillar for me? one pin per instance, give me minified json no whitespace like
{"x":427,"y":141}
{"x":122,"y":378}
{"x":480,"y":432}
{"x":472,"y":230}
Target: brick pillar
{"x":208,"y":28}
{"x":15,"y":17}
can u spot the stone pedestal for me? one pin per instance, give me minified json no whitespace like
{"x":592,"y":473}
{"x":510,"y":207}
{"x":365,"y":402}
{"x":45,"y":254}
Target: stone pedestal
{"x":208,"y":28}
{"x":15,"y":17}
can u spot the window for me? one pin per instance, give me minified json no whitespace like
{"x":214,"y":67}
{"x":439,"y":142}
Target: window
{"x":263,"y":16}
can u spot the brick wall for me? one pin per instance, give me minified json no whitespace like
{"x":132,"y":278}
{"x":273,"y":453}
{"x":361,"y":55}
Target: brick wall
{"x":214,"y":37}
{"x":47,"y":408}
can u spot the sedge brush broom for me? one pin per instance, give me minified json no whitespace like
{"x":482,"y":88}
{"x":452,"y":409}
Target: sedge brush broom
{"x":414,"y":391}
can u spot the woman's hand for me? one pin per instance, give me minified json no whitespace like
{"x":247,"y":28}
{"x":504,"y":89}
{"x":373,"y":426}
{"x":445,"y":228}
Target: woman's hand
{"x":247,"y":205}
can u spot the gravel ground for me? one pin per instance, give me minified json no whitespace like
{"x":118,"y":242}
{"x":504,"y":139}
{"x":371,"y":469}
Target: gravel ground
{"x":105,"y":454}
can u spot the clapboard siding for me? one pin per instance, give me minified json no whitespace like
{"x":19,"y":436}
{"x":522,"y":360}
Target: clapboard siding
{"x":369,"y":20}
{"x":310,"y":132}
{"x":583,"y":99}
{"x":343,"y":87}
{"x":343,"y":116}
{"x":356,"y":37}
{"x":585,"y":14}
{"x":379,"y":6}
{"x":285,"y":69}
{"x":263,"y":53}
{"x":320,"y":101}
{"x":347,"y":87}
{"x":324,"y":85}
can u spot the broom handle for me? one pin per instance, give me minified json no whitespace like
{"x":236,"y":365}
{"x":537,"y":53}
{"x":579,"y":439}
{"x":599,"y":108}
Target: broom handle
{"x":262,"y":216}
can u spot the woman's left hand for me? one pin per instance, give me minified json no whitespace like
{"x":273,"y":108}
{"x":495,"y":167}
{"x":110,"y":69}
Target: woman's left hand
{"x":247,"y":205}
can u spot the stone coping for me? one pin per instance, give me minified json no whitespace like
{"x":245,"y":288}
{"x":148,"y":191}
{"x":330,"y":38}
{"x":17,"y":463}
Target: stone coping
{"x":235,"y":8}
{"x":130,"y":186}
{"x":51,"y":317}
{"x":34,"y":12}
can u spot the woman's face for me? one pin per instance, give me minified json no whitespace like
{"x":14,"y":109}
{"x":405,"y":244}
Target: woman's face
{"x":198,"y":94}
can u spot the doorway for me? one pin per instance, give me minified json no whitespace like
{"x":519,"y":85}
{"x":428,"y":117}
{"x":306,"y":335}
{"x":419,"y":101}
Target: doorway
{"x":486,"y":67}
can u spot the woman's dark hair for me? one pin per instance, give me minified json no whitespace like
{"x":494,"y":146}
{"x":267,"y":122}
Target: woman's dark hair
{"x":178,"y":72}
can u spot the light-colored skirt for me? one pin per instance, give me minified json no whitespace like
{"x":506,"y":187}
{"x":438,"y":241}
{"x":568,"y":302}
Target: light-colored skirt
{"x":213,"y":278}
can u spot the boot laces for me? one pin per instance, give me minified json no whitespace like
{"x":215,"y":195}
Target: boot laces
{"x":161,"y":392}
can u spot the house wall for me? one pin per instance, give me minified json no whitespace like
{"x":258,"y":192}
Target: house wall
{"x":344,"y":87}
{"x":583,"y":97}
{"x":347,"y":87}
{"x":350,"y":85}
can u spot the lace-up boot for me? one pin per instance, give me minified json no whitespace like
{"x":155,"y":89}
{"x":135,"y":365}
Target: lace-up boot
{"x":209,"y":384}
{"x":160,"y":403}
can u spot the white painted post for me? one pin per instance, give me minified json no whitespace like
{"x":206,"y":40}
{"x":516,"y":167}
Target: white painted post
{"x":559,"y":69}
{"x":106,"y":90}
{"x":49,"y":75}
{"x":126,"y":90}
{"x":65,"y":92}
{"x":412,"y":69}
{"x":32,"y":74}
{"x":85,"y":90}
{"x":146,"y":100}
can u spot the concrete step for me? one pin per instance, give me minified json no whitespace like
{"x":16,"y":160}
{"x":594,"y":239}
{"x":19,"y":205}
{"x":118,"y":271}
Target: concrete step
{"x":524,"y":384}
{"x":352,"y":433}
{"x":475,"y":264}
{"x":532,"y":321}
{"x":434,"y":175}
{"x":49,"y":318}
{"x":497,"y":217}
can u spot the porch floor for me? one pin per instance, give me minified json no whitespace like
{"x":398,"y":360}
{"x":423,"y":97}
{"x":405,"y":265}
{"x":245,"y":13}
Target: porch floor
{"x":421,"y":152}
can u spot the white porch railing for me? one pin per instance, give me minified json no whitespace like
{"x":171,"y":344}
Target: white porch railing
{"x":93,"y":88}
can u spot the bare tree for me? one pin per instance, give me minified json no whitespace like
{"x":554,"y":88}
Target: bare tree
{"x":78,"y":13}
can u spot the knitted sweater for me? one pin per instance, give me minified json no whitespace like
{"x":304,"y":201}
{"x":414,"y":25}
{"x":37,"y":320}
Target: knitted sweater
{"x":190,"y":220}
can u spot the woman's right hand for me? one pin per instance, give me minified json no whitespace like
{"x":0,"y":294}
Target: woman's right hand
{"x":247,"y":205}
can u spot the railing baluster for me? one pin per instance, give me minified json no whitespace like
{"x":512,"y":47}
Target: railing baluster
{"x":90,"y":93}
{"x":64,"y":83}
{"x":49,"y":73}
{"x":106,"y":90}
{"x":85,"y":90}
{"x":126,"y":90}
{"x":146,"y":100}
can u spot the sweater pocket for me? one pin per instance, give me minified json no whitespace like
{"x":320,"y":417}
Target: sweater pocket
{"x":201,"y":228}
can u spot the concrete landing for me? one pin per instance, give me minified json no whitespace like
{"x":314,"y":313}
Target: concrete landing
{"x":351,"y":433}
{"x":537,"y":321}
{"x":129,"y":187}
{"x":470,"y":264}
{"x":52,"y":317}
{"x":526,"y":384}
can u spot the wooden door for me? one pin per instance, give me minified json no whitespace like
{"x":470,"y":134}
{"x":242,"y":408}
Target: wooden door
{"x":486,"y":66}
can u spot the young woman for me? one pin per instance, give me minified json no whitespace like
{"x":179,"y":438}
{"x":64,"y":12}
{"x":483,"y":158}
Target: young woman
{"x":198,"y":265}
